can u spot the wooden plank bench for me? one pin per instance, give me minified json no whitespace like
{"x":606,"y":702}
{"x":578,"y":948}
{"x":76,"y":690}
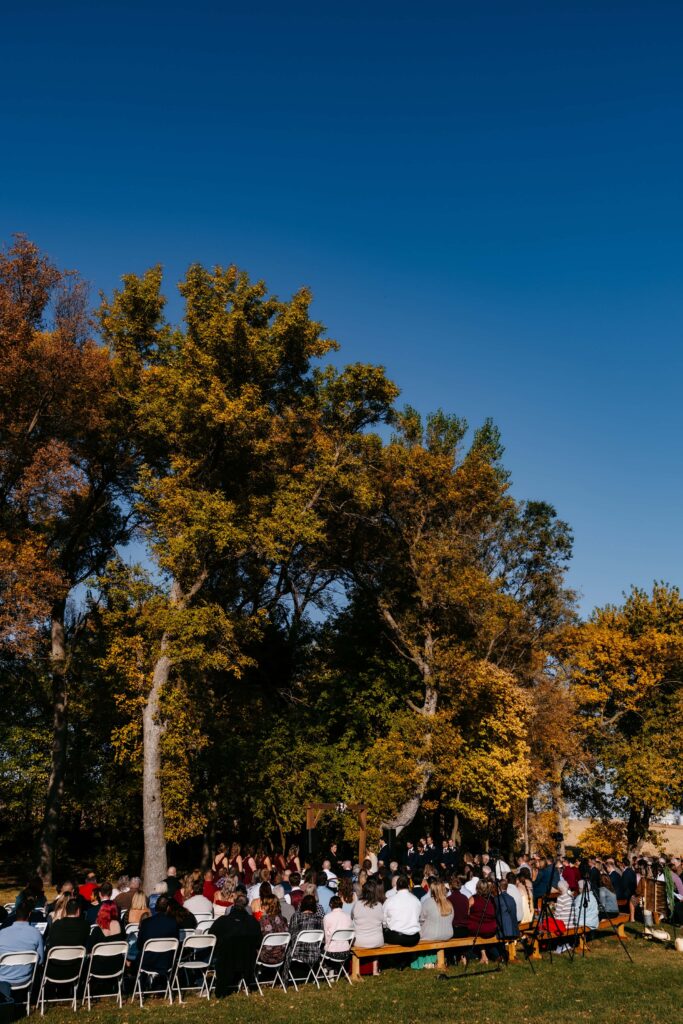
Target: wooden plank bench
{"x":439,"y":947}
{"x":604,"y":926}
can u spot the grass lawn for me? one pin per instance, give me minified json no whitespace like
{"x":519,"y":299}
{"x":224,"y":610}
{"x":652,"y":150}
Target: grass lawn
{"x":603,"y":987}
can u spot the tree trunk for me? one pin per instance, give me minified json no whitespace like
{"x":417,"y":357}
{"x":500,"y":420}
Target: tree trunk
{"x":55,"y":790}
{"x":557,"y":799}
{"x":154,"y":864}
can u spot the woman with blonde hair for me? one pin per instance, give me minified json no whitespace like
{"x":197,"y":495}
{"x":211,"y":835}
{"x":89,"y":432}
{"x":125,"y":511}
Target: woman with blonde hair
{"x":293,"y":862}
{"x":224,"y":896}
{"x":59,"y":907}
{"x":526,"y":889}
{"x":436,"y":922}
{"x":236,"y":858}
{"x":138,"y":908}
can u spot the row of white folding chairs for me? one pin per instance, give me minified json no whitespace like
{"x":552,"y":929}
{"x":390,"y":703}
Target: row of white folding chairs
{"x":328,"y":966}
{"x":184,"y":958}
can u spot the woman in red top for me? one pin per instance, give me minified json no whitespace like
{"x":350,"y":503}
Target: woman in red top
{"x":249,"y":865}
{"x":293,"y":862}
{"x":235,"y":858}
{"x":264,"y":861}
{"x":482,"y":917}
{"x":279,"y":862}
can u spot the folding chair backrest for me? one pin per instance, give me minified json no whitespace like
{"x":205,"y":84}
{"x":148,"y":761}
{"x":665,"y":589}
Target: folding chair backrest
{"x":18,"y":959}
{"x":110,"y":950}
{"x":203,"y":926}
{"x":203,"y":918}
{"x":310,"y":937}
{"x":132,"y":929}
{"x":41,"y":927}
{"x":343,"y":935}
{"x":64,"y":954}
{"x":274,"y":940}
{"x":160,"y":946}
{"x":199,"y":942}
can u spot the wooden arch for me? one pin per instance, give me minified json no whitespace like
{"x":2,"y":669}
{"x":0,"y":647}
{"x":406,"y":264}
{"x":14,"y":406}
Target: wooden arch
{"x":315,"y":811}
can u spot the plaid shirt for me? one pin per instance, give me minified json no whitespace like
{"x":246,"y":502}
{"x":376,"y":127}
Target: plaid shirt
{"x":308,"y":953}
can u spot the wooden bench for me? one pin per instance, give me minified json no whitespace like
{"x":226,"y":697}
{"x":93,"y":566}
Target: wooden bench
{"x":438,"y":946}
{"x":546,"y":936}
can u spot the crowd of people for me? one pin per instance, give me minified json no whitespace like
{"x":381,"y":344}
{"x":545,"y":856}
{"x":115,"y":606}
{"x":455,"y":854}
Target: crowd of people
{"x":427,"y":893}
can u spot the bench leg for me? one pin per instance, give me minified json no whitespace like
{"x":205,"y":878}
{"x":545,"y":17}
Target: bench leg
{"x":355,"y":969}
{"x":536,"y":955}
{"x":512,"y":951}
{"x":441,"y":958}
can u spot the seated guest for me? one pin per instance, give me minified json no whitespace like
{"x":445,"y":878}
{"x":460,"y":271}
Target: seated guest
{"x":19,"y":937}
{"x":526,"y":890}
{"x":367,"y":916}
{"x":436,"y":922}
{"x":160,"y":925}
{"x":272,"y":921}
{"x":184,"y":918}
{"x":607,"y":898}
{"x":138,"y":908}
{"x":86,"y":890}
{"x":333,"y":922}
{"x":401,"y":918}
{"x":107,"y":926}
{"x":308,"y":917}
{"x":348,"y":896}
{"x":506,"y":911}
{"x":159,"y":890}
{"x":100,"y":896}
{"x":564,"y":905}
{"x":515,"y":894}
{"x":198,"y":903}
{"x":570,"y":873}
{"x":72,"y":929}
{"x":64,"y":892}
{"x":265,"y":893}
{"x":172,"y":883}
{"x":586,"y":910}
{"x":238,"y":937}
{"x":482,"y":917}
{"x":461,"y":908}
{"x":224,"y":896}
{"x":125,"y":897}
{"x":286,"y":909}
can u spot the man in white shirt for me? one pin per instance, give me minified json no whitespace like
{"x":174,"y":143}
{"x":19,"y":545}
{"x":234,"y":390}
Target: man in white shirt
{"x":198,"y":903}
{"x":401,"y":919}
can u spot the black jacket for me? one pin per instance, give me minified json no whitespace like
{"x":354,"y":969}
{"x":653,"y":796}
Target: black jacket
{"x":238,"y":937}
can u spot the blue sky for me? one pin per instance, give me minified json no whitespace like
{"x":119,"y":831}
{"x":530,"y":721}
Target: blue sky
{"x":484,"y":197}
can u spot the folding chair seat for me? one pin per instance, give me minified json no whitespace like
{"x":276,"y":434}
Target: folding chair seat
{"x":273,"y":940}
{"x":306,"y":954}
{"x":72,"y":958}
{"x":20,"y":959}
{"x":107,"y":964}
{"x":333,"y":965}
{"x":196,"y":957}
{"x":153,"y":947}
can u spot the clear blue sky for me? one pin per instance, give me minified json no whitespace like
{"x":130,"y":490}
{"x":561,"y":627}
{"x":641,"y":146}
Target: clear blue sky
{"x":484,"y":197}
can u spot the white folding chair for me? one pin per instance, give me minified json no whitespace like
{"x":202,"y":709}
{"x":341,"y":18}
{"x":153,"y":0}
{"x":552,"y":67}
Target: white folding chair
{"x":185,"y":933}
{"x":312,"y":937}
{"x":74,"y":958}
{"x":9,"y":907}
{"x":196,"y":956}
{"x":203,"y":926}
{"x":333,"y":965}
{"x":41,"y":927}
{"x":154,"y":946}
{"x":273,"y":940}
{"x":107,"y":963}
{"x":28,"y":959}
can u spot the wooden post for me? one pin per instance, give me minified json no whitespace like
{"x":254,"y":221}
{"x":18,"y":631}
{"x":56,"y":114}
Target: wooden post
{"x":363,"y":833}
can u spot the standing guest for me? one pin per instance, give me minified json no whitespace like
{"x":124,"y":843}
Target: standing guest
{"x":263,"y":861}
{"x":401,"y":919}
{"x":236,"y":859}
{"x":220,"y":859}
{"x":383,"y":854}
{"x":333,"y":858}
{"x":412,"y":857}
{"x":293,"y":861}
{"x":238,"y":938}
{"x":19,"y":937}
{"x":461,"y":908}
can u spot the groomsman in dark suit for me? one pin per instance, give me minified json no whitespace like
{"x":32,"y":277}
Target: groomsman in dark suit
{"x":431,"y":854}
{"x":412,"y":858}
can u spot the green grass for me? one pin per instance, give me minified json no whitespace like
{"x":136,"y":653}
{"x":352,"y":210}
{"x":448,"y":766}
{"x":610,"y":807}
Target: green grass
{"x":603,"y":988}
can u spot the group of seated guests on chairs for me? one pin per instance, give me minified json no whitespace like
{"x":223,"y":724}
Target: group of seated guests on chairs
{"x":383,"y":901}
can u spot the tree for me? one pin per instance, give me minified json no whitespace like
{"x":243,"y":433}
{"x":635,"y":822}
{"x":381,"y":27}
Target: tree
{"x":466,"y":583}
{"x":626,"y":670}
{"x":61,"y":481}
{"x":242,"y":440}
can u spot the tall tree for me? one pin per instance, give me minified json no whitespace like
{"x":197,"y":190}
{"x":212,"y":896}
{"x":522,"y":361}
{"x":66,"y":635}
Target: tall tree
{"x":60,"y":471}
{"x":626,"y":664}
{"x":243,"y":439}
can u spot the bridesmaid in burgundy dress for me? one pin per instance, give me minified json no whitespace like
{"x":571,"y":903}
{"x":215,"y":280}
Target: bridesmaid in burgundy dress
{"x":236,"y":859}
{"x":293,"y":862}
